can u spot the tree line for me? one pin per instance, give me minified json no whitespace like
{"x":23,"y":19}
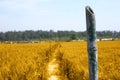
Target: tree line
{"x":30,"y":35}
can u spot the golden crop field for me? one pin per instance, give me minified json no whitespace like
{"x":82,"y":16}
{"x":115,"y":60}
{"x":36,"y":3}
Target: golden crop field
{"x":37,"y":61}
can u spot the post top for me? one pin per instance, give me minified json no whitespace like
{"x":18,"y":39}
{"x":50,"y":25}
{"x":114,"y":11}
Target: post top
{"x":88,"y":8}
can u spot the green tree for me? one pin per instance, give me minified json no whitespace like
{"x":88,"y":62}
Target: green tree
{"x":73,"y":37}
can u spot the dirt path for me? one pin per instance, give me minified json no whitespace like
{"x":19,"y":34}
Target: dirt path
{"x":53,"y":70}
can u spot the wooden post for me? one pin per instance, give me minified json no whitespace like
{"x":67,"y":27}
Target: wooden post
{"x":91,"y":44}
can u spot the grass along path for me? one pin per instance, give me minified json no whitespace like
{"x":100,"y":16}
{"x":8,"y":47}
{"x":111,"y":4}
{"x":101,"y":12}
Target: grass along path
{"x":53,"y":70}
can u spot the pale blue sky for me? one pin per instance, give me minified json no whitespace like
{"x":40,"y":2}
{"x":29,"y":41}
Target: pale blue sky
{"x":57,"y":14}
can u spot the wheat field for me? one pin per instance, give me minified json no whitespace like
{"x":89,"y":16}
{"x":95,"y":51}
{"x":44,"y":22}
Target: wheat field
{"x":57,"y":61}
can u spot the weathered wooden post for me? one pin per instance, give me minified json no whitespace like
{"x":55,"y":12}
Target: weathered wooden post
{"x":91,"y":44}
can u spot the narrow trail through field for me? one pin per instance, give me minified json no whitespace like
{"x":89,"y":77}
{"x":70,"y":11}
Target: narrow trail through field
{"x":53,"y":70}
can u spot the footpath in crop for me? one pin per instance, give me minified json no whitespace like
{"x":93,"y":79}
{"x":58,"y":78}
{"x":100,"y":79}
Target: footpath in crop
{"x":59,"y":67}
{"x":53,"y":69}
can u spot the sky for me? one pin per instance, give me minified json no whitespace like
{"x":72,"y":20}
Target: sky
{"x":19,"y":15}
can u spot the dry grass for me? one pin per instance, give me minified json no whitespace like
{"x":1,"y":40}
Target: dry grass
{"x":28,"y":61}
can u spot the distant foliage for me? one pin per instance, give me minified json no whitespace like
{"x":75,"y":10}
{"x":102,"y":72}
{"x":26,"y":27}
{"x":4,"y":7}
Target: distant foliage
{"x":73,"y":37}
{"x":31,"y":35}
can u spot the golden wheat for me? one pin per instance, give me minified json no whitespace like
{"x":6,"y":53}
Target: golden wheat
{"x":27,"y":61}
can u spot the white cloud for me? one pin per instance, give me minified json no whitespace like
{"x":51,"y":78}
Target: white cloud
{"x":25,"y":7}
{"x":17,"y":4}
